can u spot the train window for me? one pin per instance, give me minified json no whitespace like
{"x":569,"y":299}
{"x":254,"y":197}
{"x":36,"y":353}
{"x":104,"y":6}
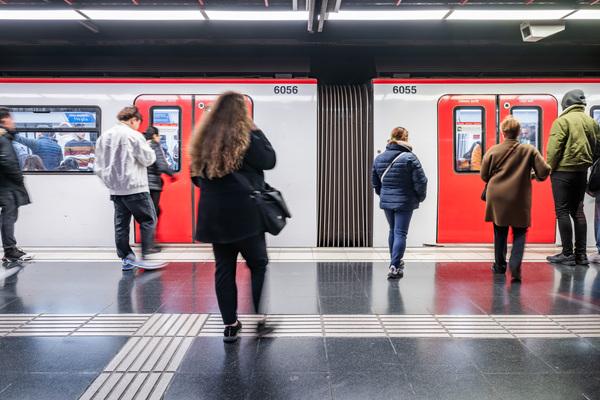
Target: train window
{"x":469,"y":140}
{"x":56,"y":138}
{"x":168,"y":122}
{"x":595,"y":112}
{"x":531,"y":121}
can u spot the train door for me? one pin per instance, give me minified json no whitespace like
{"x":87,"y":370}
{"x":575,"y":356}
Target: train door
{"x":173,"y":116}
{"x":466,"y":128}
{"x":536,"y":114}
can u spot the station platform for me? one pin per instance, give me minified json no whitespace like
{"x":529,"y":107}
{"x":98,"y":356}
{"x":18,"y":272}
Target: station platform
{"x":73,"y":326}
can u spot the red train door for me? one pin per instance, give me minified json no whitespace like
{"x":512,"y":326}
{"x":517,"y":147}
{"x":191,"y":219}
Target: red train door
{"x":172,"y":115}
{"x":466,"y":128}
{"x":536,"y":114}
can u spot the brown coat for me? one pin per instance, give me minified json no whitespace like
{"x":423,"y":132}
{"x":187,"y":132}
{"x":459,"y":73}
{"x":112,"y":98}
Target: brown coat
{"x":508,"y":197}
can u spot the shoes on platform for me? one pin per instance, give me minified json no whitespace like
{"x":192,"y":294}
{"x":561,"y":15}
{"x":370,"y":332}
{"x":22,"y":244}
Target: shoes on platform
{"x":499,"y":269}
{"x":230,"y":334}
{"x":13,"y":254}
{"x":563,"y":259}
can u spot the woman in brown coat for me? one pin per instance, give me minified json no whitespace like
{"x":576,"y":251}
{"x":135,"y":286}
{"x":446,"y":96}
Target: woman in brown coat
{"x":507,"y":168}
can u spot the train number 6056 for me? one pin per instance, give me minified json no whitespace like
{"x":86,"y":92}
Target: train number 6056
{"x":285,"y":89}
{"x":404,"y":89}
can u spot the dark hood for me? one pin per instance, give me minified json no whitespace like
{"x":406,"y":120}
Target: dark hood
{"x":573,"y":97}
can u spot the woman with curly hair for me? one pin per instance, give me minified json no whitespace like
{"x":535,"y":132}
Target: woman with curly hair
{"x":228,"y":157}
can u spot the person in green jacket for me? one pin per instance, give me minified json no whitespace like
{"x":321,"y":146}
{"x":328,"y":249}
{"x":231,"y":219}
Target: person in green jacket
{"x":572,"y":149}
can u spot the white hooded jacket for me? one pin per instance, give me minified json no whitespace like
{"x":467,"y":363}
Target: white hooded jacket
{"x":122,"y":158}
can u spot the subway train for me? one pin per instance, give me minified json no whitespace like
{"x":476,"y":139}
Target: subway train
{"x":451,"y":123}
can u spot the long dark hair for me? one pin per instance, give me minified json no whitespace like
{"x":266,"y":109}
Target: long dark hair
{"x":221,"y":140}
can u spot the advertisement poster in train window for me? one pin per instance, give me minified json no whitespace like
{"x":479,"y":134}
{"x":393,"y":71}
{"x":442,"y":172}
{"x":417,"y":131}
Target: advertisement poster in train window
{"x":529,"y":118}
{"x":56,"y":139}
{"x":468,"y":138}
{"x":596,"y":113}
{"x":168,"y":122}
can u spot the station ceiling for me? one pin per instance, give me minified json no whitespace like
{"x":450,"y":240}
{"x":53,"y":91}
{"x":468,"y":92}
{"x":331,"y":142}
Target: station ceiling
{"x":342,"y":51}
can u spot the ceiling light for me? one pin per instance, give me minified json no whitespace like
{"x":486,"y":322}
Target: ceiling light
{"x":508,"y":15}
{"x":257,"y":15}
{"x":40,"y":15}
{"x":144,"y":15}
{"x":390,"y":15}
{"x":585,"y":14}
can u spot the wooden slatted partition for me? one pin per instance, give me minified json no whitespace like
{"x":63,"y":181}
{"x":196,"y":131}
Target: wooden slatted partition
{"x":345,"y":149}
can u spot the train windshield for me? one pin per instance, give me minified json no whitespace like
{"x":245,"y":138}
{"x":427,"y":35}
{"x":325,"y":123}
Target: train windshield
{"x":530,"y":119}
{"x":468,"y":138}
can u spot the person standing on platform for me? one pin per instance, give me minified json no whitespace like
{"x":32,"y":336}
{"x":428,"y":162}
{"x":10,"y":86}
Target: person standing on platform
{"x":122,"y":159}
{"x":506,"y":168}
{"x":572,"y":149}
{"x":400,"y":182}
{"x":155,"y":181}
{"x":228,"y":157}
{"x":12,"y":189}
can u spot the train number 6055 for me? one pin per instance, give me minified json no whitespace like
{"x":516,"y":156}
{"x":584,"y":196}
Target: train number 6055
{"x":285,"y":89}
{"x":404,"y":89}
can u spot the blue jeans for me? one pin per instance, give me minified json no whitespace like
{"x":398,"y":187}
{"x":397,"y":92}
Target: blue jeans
{"x":399,"y":222}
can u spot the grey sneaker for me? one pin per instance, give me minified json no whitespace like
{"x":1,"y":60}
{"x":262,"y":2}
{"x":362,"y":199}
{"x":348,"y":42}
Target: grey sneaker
{"x":147,"y":264}
{"x":395,"y":273}
{"x":595,"y":258}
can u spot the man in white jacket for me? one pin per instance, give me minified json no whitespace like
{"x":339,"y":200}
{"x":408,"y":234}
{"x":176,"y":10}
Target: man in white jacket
{"x":122,"y":158}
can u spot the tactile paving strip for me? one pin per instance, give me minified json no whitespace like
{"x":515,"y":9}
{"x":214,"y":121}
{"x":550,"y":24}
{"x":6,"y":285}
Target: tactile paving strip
{"x":334,"y":325}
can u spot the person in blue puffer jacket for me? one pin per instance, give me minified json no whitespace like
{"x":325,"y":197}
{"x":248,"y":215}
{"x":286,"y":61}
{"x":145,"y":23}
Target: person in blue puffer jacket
{"x":401,"y":184}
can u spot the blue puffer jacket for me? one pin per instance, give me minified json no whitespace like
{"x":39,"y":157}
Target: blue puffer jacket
{"x":405,"y":185}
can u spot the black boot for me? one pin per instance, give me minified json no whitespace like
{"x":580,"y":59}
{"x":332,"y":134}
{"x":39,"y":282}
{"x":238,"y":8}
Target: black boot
{"x":499,"y":269}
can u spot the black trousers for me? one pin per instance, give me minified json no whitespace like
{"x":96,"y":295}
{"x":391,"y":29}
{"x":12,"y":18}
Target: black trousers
{"x":155,"y":195}
{"x":568,"y":190}
{"x":139,"y":206}
{"x":8,"y":218}
{"x":254,"y":251}
{"x":501,"y":247}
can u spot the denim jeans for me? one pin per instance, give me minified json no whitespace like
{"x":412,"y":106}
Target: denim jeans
{"x":399,"y":222}
{"x":597,"y":222}
{"x":501,"y":246}
{"x":254,"y":251}
{"x":139,"y":206}
{"x":8,"y":218}
{"x":568,"y":190}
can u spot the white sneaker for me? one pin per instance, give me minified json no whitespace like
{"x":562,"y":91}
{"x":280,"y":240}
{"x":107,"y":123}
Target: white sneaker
{"x":595,"y":258}
{"x":148,"y":265}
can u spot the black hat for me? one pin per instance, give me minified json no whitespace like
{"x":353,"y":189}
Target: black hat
{"x":150,"y":132}
{"x":573,"y":97}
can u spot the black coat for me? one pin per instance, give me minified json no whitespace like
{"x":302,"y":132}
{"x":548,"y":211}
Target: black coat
{"x":12,"y":186}
{"x":159,"y":167}
{"x":405,"y":185}
{"x":226,"y":212}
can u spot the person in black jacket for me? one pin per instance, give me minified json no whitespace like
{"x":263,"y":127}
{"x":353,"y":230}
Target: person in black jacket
{"x":401,"y":184}
{"x":155,"y":181}
{"x":228,"y":157}
{"x":12,"y":189}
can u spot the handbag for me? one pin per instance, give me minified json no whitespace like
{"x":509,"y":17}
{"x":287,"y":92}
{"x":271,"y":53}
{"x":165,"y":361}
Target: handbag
{"x":497,"y":167}
{"x":271,"y":206}
{"x":593,"y":184}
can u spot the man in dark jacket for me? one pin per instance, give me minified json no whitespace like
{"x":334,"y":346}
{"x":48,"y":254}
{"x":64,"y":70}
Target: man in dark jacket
{"x":12,"y":189}
{"x":401,"y":184}
{"x":572,"y":148}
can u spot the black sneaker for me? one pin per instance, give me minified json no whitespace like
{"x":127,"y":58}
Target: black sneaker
{"x":498,"y":269}
{"x":262,"y":329}
{"x":395,"y":273}
{"x":581,"y":259}
{"x":15,"y":254}
{"x":230,"y":334}
{"x":560,"y":258}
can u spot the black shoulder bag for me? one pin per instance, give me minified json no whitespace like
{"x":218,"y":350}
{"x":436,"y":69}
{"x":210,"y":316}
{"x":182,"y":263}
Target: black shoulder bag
{"x":497,"y":167}
{"x":271,"y":206}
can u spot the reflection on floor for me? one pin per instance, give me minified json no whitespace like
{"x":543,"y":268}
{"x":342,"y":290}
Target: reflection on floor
{"x":86,"y":330}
